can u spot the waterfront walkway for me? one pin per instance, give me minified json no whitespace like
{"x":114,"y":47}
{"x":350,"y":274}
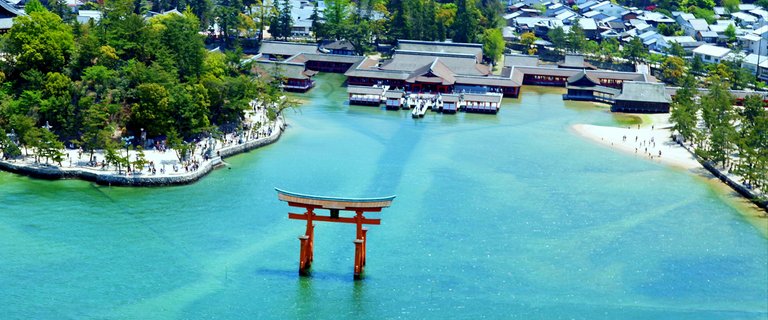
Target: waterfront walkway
{"x":162,"y":166}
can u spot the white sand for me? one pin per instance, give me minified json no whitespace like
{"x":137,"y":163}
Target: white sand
{"x":639,"y":141}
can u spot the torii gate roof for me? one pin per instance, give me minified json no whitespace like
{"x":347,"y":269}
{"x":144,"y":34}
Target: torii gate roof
{"x":334,"y":202}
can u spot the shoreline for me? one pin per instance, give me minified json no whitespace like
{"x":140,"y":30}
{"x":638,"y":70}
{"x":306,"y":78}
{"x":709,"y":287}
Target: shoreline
{"x":673,"y":154}
{"x":109,"y":177}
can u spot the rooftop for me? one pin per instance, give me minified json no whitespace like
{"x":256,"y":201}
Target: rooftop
{"x":644,"y":91}
{"x":710,"y":50}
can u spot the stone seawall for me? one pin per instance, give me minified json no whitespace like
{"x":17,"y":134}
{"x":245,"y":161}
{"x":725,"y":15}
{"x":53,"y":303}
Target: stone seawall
{"x":110,"y":178}
{"x":735,"y":185}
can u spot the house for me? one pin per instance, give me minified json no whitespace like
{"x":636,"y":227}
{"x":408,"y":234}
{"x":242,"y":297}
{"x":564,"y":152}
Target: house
{"x":597,"y":15}
{"x":508,"y":33}
{"x":584,"y":7}
{"x":720,"y":12}
{"x":629,"y":15}
{"x":650,"y":38}
{"x":707,"y":36}
{"x":682,"y":18}
{"x":744,"y":19}
{"x":609,"y":9}
{"x":688,"y":43}
{"x":590,"y":28}
{"x":752,"y":61}
{"x":755,"y":43}
{"x":761,"y":14}
{"x":711,"y":54}
{"x":83,"y":16}
{"x":655,"y":18}
{"x":693,"y":26}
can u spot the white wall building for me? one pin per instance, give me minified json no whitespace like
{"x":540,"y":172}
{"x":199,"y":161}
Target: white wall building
{"x":711,"y":54}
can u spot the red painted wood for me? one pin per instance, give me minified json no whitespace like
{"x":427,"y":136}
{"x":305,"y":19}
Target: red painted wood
{"x":299,"y":216}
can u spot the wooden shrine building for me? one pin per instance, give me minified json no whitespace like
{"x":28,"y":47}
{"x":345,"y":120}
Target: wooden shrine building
{"x":334,"y":205}
{"x":586,"y":87}
{"x":642,"y":97}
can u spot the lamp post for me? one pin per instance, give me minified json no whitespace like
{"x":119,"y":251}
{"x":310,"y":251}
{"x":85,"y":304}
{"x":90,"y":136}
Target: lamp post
{"x":127,"y":142}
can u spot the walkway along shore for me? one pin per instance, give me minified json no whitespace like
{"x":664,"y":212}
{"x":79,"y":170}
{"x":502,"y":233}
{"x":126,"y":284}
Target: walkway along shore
{"x":653,"y":142}
{"x":111,"y":178}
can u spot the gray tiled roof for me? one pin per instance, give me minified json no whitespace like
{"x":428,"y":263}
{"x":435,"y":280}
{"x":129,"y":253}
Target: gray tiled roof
{"x":286,"y":48}
{"x":643,"y":91}
{"x":287,"y":70}
{"x":365,"y":90}
{"x":444,"y":47}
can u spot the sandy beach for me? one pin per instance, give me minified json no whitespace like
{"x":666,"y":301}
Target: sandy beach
{"x":650,"y":141}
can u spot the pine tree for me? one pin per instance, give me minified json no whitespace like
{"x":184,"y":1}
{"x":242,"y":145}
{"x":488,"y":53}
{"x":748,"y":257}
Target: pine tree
{"x":466,"y":26}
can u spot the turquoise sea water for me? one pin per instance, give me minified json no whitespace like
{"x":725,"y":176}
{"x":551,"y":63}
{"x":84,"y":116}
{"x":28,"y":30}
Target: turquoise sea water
{"x":501,"y":217}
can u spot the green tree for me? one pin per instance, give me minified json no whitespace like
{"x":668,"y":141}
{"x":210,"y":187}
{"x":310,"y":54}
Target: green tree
{"x":34,"y":6}
{"x":731,"y":5}
{"x":730,"y":34}
{"x":317,"y":23}
{"x":576,"y":38}
{"x":684,"y":108}
{"x":609,"y":48}
{"x":673,"y":69}
{"x":676,"y":49}
{"x":183,"y":42}
{"x":336,"y":16}
{"x":39,"y":41}
{"x":152,"y":110}
{"x":752,"y":146}
{"x":558,"y":38}
{"x":493,"y":44}
{"x":634,"y":50}
{"x":466,"y":27}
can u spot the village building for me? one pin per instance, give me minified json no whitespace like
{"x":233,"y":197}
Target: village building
{"x":711,"y":54}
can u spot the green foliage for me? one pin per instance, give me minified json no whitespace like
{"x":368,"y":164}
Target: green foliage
{"x":40,"y":41}
{"x":34,"y":6}
{"x":730,"y":33}
{"x":703,"y":13}
{"x":676,"y":49}
{"x":281,"y":23}
{"x":528,"y":39}
{"x":609,"y":48}
{"x":558,"y":38}
{"x":634,"y":50}
{"x":576,"y":38}
{"x":673,"y":70}
{"x":731,"y":5}
{"x":493,"y":44}
{"x":466,"y":27}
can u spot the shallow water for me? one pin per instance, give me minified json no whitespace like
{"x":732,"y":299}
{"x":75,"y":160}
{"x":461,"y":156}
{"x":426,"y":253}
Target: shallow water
{"x":506,"y":216}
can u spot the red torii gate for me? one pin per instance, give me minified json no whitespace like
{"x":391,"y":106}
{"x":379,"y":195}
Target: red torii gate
{"x":334,"y":205}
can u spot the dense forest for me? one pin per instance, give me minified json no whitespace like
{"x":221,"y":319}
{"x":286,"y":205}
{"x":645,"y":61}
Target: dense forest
{"x":90,"y":84}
